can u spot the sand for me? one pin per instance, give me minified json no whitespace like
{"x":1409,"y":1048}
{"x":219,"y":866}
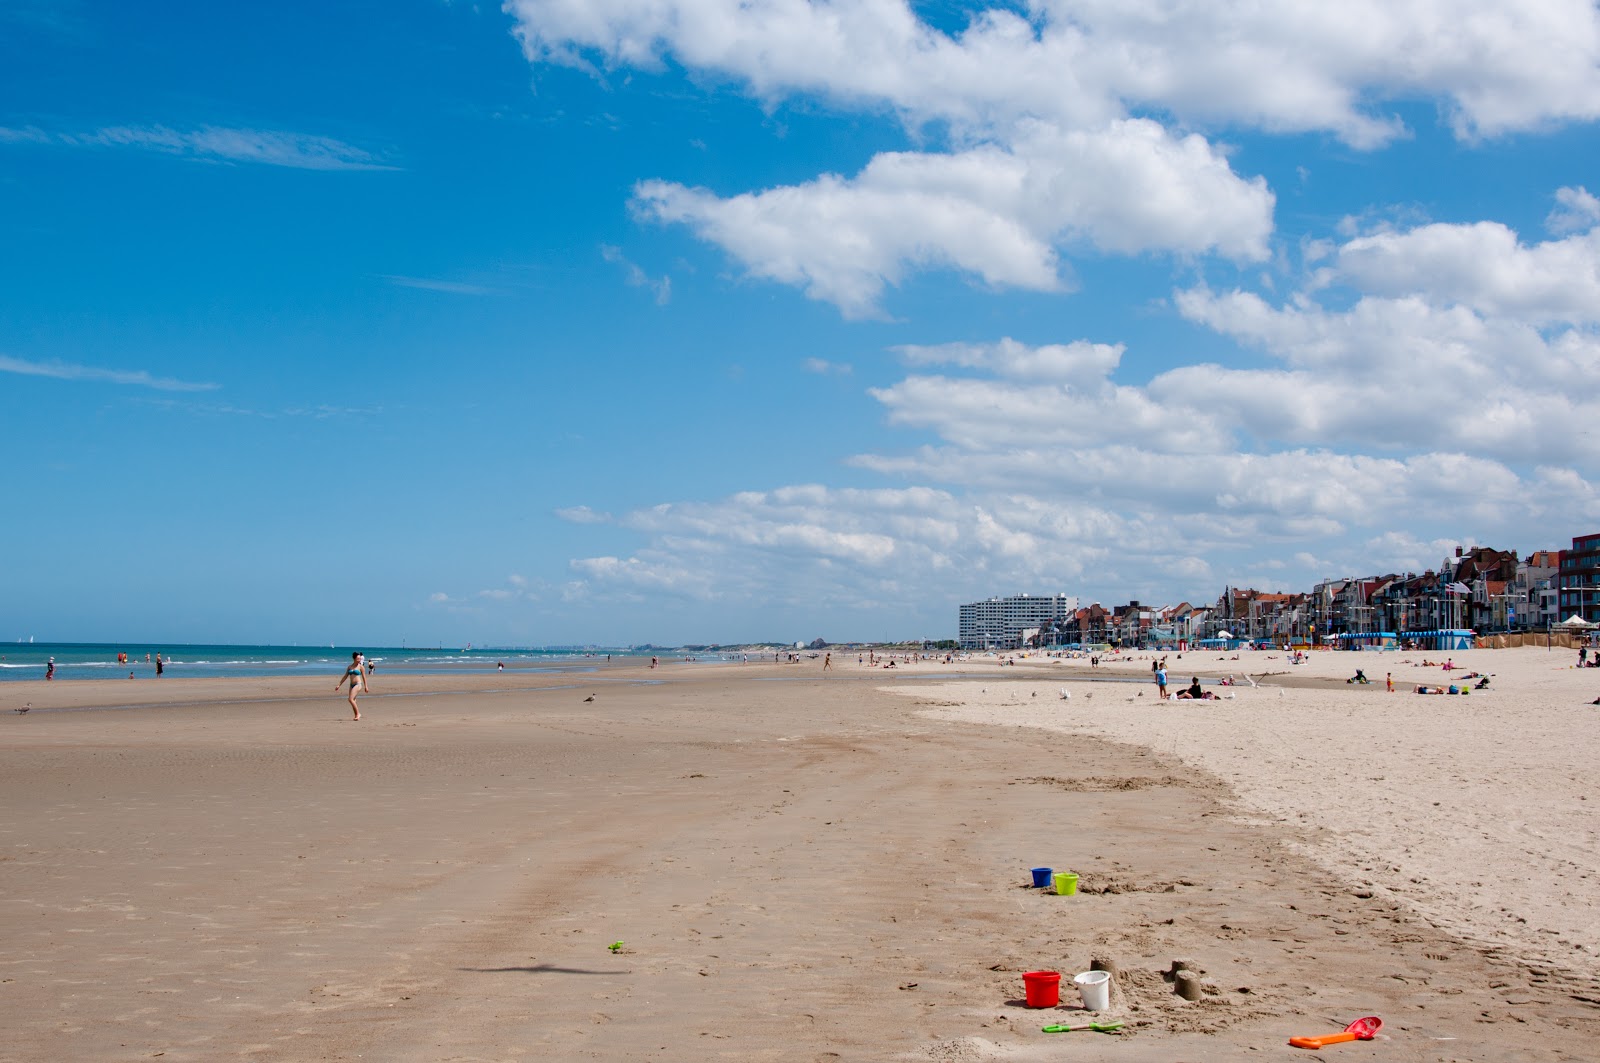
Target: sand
{"x":798,"y":866}
{"x":1475,"y":811}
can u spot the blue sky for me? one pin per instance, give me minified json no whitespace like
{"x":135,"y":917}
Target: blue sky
{"x":618,"y":321}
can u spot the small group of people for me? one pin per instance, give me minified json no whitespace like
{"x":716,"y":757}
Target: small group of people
{"x":1452,"y":688}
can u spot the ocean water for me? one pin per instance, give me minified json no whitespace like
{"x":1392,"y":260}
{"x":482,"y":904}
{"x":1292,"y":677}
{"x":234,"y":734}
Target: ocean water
{"x":85,"y":660}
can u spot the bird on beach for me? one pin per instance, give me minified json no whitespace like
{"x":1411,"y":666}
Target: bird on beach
{"x":24,"y":708}
{"x":1066,"y":695}
{"x":589,"y":698}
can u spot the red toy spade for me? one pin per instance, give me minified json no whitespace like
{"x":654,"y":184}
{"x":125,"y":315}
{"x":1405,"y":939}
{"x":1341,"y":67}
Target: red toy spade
{"x":1360,"y":1030}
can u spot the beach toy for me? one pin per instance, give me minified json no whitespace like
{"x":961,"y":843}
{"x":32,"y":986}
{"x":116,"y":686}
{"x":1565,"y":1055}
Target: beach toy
{"x":615,"y":946}
{"x":1095,"y":989}
{"x":1042,"y":988}
{"x":1098,"y":1027}
{"x":1066,"y":884}
{"x":1360,"y":1030}
{"x":1041,"y":877}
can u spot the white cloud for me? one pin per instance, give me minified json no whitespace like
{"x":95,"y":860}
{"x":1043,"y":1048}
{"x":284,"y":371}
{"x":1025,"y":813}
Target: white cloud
{"x":1482,"y":266}
{"x":1047,"y":118}
{"x":1293,"y":66}
{"x":1052,"y":475}
{"x":1575,"y":210}
{"x":1446,"y":338}
{"x":996,"y":213}
{"x":269,"y":147}
{"x":68,"y":371}
{"x":823,"y":367}
{"x":448,"y":287}
{"x":637,"y":277}
{"x":583,"y":515}
{"x":1416,"y":383}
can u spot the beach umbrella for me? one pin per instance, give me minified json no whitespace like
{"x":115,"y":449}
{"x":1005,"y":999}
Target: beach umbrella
{"x":1576,"y":621}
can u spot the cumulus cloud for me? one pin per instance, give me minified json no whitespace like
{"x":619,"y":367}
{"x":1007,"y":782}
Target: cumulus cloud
{"x":997,"y":213}
{"x":1414,"y":381}
{"x":1293,"y":66}
{"x":1391,"y":415}
{"x":1575,"y":210}
{"x":1454,"y":337}
{"x":843,"y":547}
{"x":1484,"y":267}
{"x":1047,"y":121}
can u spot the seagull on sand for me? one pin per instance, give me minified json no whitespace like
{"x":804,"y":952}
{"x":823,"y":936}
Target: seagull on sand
{"x":589,"y":698}
{"x":25,"y":708}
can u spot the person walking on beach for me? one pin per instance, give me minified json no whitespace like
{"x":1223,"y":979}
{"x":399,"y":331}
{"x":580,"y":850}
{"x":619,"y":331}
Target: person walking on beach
{"x":50,"y":668}
{"x":827,"y":661}
{"x":160,"y":667}
{"x":1161,"y":679}
{"x":356,"y":676}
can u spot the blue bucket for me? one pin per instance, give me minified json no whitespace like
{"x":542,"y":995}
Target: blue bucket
{"x":1042,"y":877}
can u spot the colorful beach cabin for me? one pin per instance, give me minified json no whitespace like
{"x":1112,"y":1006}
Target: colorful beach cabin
{"x":1367,"y":640}
{"x":1441,"y":639}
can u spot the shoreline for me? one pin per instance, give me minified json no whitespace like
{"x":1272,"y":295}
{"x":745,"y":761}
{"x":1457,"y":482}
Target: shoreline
{"x":798,"y":870}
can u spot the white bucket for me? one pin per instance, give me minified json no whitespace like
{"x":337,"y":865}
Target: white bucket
{"x":1095,"y":989}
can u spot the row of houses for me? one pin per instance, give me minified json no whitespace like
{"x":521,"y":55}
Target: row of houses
{"x":1480,"y":590}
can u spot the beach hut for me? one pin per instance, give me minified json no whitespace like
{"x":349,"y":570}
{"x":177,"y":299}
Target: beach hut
{"x":1442,"y":638}
{"x":1368,"y":640}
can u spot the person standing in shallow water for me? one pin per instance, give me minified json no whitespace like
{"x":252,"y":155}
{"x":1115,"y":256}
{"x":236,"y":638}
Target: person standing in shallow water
{"x":356,"y":676}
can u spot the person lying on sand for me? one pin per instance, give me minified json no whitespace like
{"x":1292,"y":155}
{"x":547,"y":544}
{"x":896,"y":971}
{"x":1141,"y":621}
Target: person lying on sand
{"x":1193,"y":692}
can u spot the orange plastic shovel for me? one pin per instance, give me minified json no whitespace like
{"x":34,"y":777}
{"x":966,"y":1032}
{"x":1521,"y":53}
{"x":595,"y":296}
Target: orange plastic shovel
{"x":1360,"y":1030}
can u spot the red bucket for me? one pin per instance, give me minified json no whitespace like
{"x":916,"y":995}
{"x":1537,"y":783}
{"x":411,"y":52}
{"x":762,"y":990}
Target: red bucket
{"x":1043,"y":988}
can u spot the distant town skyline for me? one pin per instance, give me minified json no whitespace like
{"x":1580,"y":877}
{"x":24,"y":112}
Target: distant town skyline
{"x":703,"y":322}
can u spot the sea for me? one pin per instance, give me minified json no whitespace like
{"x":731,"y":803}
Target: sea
{"x":94,"y":660}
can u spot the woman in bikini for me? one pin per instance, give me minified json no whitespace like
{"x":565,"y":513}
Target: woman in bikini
{"x":356,"y":676}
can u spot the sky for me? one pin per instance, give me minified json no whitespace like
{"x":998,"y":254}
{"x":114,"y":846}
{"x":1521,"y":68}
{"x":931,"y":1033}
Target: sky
{"x":690,"y":321}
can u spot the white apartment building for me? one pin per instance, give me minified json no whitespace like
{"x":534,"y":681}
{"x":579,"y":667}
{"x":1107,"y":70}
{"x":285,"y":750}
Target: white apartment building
{"x":998,"y":623}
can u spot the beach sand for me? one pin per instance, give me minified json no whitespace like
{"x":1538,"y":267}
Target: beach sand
{"x":799,"y":865}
